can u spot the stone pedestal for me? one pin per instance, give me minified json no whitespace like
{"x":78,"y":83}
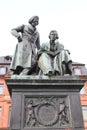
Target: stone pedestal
{"x":45,"y":103}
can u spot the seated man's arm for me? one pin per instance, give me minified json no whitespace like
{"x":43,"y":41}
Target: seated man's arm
{"x":57,"y":52}
{"x":47,"y":52}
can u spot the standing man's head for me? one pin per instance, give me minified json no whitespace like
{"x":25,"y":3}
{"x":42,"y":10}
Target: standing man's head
{"x":34,"y":21}
{"x":53,"y":35}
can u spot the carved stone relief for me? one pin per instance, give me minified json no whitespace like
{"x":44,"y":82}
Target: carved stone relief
{"x":46,"y":112}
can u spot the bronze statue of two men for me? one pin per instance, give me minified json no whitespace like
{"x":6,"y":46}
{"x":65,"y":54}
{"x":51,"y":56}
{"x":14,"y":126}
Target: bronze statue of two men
{"x":49,"y":58}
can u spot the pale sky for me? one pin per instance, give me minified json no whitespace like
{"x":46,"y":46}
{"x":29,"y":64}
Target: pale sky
{"x":68,"y":17}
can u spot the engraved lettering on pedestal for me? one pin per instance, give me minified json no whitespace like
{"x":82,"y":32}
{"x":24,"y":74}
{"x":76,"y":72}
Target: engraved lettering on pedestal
{"x":46,"y":112}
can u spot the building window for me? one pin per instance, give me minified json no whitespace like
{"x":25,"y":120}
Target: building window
{"x":1,"y":88}
{"x":2,"y":70}
{"x":77,"y":71}
{"x":84,"y":111}
{"x":82,"y":91}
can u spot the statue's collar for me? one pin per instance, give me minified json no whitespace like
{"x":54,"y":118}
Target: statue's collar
{"x":31,"y":27}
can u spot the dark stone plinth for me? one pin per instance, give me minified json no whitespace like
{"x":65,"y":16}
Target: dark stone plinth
{"x":43,"y":103}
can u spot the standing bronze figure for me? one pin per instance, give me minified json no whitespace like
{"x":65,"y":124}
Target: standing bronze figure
{"x":25,"y":55}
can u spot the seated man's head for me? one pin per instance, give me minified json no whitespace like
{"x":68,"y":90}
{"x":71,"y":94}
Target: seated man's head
{"x":53,"y":35}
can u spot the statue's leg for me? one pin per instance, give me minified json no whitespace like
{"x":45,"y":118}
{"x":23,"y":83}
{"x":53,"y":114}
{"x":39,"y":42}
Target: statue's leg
{"x":64,"y":68}
{"x":69,"y":66}
{"x":58,"y":65}
{"x":44,"y":64}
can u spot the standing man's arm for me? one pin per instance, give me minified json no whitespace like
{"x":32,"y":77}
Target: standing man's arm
{"x":15,"y":32}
